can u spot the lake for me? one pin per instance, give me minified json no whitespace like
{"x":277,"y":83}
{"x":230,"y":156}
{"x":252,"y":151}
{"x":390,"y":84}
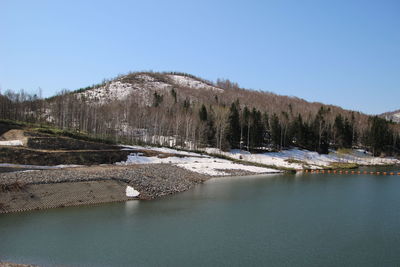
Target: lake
{"x":273,"y":220}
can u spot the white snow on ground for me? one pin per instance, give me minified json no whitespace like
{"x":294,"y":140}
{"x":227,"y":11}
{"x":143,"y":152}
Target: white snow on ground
{"x":205,"y":165}
{"x":131,"y":192}
{"x":397,"y":116}
{"x":309,"y":160}
{"x":193,"y":83}
{"x":141,"y":87}
{"x":217,"y":168}
{"x":118,"y":90}
{"x":294,"y":158}
{"x":394,"y":116}
{"x":114,"y":91}
{"x":11,"y":143}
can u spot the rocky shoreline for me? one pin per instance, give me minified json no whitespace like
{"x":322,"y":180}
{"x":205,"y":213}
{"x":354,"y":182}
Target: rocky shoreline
{"x":154,"y":180}
{"x":9,"y":264}
{"x":41,"y":189}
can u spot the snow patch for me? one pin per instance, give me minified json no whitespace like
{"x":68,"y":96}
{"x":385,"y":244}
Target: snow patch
{"x":293,"y":158}
{"x":141,"y":88}
{"x":304,"y":159}
{"x":204,"y":165}
{"x":131,"y":192}
{"x":11,"y":143}
{"x":118,"y":90}
{"x":193,"y":83}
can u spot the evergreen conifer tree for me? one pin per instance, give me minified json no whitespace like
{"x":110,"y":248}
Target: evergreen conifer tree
{"x":234,"y":126}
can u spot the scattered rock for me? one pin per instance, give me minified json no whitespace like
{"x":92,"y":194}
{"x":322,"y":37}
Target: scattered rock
{"x":151,"y":180}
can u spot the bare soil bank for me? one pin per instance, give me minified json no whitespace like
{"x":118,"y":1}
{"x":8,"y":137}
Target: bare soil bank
{"x":38,"y":148}
{"x":40,"y":196}
{"x":40,"y":189}
{"x":19,"y":155}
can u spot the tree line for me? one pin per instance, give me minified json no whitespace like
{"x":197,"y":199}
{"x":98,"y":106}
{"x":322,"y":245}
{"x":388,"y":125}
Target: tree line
{"x":233,"y":119}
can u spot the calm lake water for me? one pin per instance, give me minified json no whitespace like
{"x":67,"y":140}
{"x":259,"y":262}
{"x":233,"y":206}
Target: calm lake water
{"x":275,"y":220}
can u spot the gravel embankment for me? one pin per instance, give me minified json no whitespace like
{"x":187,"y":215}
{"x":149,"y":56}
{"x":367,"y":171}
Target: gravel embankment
{"x":9,"y":264}
{"x":152,"y":180}
{"x":42,"y":189}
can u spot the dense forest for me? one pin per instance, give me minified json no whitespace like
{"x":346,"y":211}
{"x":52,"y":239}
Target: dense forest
{"x":228,"y":117}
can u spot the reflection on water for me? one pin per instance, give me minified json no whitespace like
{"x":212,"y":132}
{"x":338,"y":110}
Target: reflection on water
{"x":275,"y":220}
{"x":131,"y":207}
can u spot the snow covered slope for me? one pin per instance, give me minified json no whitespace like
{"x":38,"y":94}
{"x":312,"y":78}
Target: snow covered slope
{"x":393,"y":116}
{"x":192,"y":83}
{"x":142,"y":86}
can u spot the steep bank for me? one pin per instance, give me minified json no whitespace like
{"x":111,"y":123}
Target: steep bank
{"x":19,"y":155}
{"x":40,"y":189}
{"x":32,"y":146}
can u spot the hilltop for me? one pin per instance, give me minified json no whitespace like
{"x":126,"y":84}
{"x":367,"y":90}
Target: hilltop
{"x":142,"y":88}
{"x":143,"y":85}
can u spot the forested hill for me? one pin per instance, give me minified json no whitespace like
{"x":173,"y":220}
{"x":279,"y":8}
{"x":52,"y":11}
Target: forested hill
{"x":178,"y":109}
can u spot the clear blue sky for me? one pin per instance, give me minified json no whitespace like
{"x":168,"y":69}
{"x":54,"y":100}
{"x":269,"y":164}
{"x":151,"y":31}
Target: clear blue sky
{"x":337,"y":52}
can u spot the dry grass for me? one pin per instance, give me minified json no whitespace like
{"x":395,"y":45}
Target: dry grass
{"x":343,"y":165}
{"x":292,"y":160}
{"x":344,"y":151}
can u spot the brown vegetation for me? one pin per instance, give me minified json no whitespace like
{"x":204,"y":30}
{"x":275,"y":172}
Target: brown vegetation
{"x":13,"y":187}
{"x":170,"y":116}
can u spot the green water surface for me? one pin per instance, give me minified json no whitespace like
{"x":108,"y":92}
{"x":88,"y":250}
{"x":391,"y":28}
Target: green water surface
{"x":275,"y":220}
